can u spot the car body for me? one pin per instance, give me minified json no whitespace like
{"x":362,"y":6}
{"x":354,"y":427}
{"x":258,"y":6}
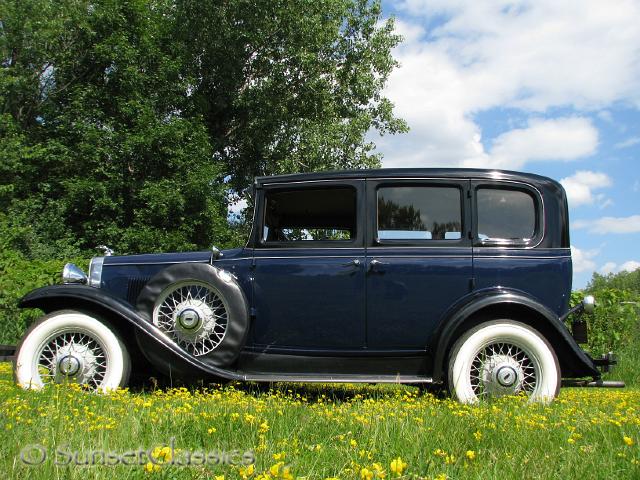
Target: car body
{"x":384,"y":275}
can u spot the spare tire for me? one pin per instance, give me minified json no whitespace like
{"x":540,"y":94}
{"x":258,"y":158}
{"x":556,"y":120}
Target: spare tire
{"x":199,"y":307}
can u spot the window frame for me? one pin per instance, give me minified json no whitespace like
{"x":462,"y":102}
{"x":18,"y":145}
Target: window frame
{"x":539,"y":215}
{"x":372,"y":201}
{"x":259,"y":221}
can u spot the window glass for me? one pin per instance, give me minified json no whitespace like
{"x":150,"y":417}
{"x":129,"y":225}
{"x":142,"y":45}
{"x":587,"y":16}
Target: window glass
{"x":419,"y":213}
{"x":313,"y":214}
{"x":505,"y":214}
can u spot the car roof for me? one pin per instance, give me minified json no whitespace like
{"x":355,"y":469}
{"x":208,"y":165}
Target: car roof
{"x":458,"y":173}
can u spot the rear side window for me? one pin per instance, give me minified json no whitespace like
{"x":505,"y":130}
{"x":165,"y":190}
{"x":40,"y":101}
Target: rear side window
{"x":319,"y":214}
{"x":419,"y":213}
{"x":505,"y":214}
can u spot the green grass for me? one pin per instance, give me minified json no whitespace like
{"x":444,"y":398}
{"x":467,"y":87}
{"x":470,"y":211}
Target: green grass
{"x":325,"y":431}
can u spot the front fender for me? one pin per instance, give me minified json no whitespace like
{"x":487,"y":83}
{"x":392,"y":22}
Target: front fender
{"x":573,"y":360}
{"x":58,"y":297}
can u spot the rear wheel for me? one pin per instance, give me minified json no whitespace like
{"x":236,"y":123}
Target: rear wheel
{"x":70,"y":346}
{"x":503,"y":357}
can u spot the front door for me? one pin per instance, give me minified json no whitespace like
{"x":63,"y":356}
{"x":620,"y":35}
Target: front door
{"x":419,"y":258}
{"x":309,"y":267}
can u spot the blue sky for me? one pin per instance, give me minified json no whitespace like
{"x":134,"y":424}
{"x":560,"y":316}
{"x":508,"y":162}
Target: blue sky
{"x":543,"y":86}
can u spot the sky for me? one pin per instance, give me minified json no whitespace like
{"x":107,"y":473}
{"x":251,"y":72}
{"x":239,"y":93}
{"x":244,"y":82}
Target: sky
{"x":540,"y":86}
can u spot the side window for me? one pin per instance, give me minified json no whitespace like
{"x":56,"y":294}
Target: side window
{"x":311,"y":214}
{"x":505,"y":214}
{"x":419,"y":213}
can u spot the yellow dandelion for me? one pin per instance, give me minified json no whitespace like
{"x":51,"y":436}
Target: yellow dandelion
{"x":628,"y":441}
{"x":353,"y":443}
{"x":471,"y":455}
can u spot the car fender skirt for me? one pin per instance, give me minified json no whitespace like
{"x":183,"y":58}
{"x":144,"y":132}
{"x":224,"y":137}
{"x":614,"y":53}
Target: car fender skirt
{"x":87,"y":298}
{"x":494,"y":304}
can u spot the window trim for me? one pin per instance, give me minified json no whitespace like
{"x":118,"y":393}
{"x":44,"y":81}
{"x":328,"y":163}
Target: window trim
{"x":372,"y":195}
{"x":356,"y":242}
{"x":539,"y":214}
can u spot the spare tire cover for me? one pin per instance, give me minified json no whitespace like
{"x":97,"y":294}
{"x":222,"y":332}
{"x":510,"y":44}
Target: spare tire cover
{"x":228,"y":289}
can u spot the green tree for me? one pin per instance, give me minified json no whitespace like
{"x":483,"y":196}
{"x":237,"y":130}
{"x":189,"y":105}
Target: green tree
{"x":132,"y":123}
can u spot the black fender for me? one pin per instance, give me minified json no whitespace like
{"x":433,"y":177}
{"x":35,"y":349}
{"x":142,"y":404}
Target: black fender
{"x":58,"y":297}
{"x":574,"y":362}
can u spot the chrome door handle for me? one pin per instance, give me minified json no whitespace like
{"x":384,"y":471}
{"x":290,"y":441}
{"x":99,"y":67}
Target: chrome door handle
{"x":374,"y":265}
{"x":353,"y":263}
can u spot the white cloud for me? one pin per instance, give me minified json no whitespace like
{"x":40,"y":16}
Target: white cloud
{"x":582,"y":259}
{"x":559,"y":139}
{"x":607,"y":225}
{"x":581,"y":184}
{"x":630,"y":266}
{"x":612,"y":267}
{"x":236,"y":209}
{"x":608,"y":268}
{"x":530,"y":56}
{"x":629,"y":142}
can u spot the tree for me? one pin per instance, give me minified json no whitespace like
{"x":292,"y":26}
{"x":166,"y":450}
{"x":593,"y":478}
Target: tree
{"x":132,"y":123}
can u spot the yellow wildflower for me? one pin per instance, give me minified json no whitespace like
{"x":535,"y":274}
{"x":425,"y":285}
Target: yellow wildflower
{"x":264,"y":427}
{"x":628,"y":441}
{"x":212,"y":430}
{"x":278,"y":456}
{"x":471,"y":455}
{"x":366,"y":474}
{"x":353,"y":443}
{"x":275,"y":469}
{"x":398,"y":466}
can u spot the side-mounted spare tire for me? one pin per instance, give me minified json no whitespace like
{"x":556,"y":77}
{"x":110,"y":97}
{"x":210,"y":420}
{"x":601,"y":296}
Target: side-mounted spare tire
{"x":199,"y":307}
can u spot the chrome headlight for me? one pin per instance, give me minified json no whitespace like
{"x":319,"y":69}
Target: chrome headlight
{"x":95,"y":271}
{"x":73,"y":274}
{"x":589,"y":304}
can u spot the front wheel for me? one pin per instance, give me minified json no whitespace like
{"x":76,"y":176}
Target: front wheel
{"x":503,"y":357}
{"x":69,"y":346}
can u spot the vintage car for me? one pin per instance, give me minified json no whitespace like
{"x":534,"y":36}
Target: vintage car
{"x":449,"y":278}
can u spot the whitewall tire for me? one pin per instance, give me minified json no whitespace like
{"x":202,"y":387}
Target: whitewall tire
{"x":503,"y":357}
{"x":70,"y":346}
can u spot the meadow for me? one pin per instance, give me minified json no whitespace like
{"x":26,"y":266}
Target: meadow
{"x":292,"y":431}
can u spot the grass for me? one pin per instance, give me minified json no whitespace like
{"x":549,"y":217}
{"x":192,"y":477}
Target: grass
{"x":318,"y":432}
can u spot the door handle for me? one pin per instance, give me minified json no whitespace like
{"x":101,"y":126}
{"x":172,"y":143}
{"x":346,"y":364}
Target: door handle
{"x":353,"y":263}
{"x":376,"y":266}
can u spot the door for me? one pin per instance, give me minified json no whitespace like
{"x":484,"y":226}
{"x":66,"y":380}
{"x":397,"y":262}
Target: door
{"x":309,"y":267}
{"x":418,"y":260}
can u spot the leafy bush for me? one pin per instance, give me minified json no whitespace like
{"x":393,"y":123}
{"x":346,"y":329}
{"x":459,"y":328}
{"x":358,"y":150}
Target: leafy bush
{"x":18,"y":276}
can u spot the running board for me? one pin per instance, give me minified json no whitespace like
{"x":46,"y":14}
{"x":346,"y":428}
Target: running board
{"x":7,"y":352}
{"x":335,"y":378}
{"x":594,"y":384}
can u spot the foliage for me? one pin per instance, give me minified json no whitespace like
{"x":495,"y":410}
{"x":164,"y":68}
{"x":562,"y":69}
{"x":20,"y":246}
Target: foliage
{"x":622,"y":281}
{"x":324,"y":431}
{"x":134,"y":123}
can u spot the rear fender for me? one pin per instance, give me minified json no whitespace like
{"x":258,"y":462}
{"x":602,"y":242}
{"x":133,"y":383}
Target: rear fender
{"x":493,"y":304}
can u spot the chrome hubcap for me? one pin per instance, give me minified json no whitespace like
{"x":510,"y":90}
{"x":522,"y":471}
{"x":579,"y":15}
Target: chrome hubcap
{"x":69,"y":365}
{"x":503,"y":369}
{"x":193,"y":315}
{"x":189,"y":319}
{"x":72,"y":356}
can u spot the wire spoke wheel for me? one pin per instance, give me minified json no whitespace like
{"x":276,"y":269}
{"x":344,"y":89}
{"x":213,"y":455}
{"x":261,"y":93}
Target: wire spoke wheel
{"x":72,"y":357}
{"x":503,"y":369}
{"x":70,"y":346}
{"x":193,"y":314}
{"x":503,"y":357}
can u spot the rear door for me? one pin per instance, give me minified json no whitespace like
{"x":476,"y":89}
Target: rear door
{"x":418,"y":259}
